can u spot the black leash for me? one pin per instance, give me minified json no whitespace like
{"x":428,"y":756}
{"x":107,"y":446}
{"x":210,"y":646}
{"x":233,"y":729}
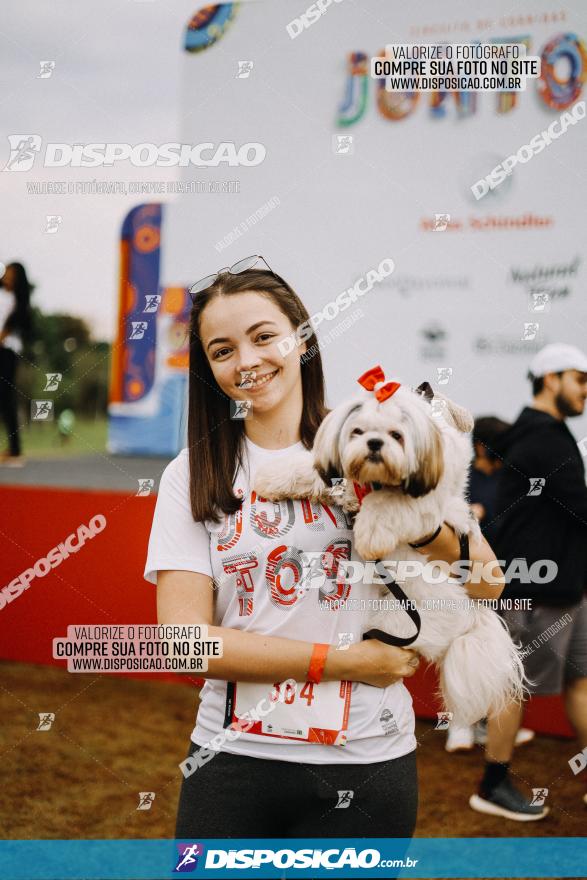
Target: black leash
{"x":395,"y":589}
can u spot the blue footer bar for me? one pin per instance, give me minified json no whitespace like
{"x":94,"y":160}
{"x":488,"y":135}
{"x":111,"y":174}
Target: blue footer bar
{"x":290,"y":858}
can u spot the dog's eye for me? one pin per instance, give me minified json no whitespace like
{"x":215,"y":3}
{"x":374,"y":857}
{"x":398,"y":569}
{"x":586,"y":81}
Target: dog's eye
{"x":396,"y":435}
{"x":356,"y":431}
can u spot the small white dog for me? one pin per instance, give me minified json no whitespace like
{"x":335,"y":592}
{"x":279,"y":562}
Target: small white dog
{"x":410,"y":451}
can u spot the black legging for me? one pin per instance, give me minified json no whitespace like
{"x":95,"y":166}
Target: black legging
{"x":8,"y":398}
{"x":237,"y":796}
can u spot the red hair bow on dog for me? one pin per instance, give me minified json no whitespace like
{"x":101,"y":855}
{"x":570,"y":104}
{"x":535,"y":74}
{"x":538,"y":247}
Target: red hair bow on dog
{"x":374,"y":380}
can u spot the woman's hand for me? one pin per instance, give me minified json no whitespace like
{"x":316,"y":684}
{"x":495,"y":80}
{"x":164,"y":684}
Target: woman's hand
{"x":478,"y":511}
{"x":378,"y":664}
{"x":446,"y":547}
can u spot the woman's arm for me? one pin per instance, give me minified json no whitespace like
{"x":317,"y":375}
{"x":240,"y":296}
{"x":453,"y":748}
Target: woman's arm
{"x":186,"y":597}
{"x":489,"y":582}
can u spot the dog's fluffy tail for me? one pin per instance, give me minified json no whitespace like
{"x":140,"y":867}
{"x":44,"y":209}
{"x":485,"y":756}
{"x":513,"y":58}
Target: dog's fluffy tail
{"x":482,"y":671}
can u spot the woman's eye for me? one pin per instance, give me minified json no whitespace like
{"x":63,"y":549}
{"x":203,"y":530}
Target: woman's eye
{"x":356,"y":431}
{"x":264,"y":336}
{"x":396,"y":435}
{"x":220,"y":352}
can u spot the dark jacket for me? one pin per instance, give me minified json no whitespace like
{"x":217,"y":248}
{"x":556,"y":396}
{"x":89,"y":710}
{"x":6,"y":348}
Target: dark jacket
{"x":551,"y":524}
{"x":19,"y":321}
{"x":483,"y":490}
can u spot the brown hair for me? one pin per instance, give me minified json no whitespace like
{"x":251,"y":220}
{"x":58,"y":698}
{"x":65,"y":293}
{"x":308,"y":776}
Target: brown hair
{"x":216,"y":444}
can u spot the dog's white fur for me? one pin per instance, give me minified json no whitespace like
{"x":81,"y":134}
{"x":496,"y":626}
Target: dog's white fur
{"x":419,"y":452}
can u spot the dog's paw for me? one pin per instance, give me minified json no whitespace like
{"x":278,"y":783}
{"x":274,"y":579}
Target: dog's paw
{"x":350,"y":503}
{"x":344,"y":495}
{"x":295,"y":478}
{"x":372,"y":541}
{"x":270,"y":482}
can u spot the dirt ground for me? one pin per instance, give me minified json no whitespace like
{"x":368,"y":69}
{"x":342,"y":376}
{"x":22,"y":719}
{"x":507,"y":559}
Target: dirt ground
{"x":114,"y":737}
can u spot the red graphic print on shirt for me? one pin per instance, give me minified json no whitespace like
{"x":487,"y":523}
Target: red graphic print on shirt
{"x":313,"y":517}
{"x":273,"y":519}
{"x":290,"y":573}
{"x":341,"y":518}
{"x":231,"y":530}
{"x":334,"y":587}
{"x":241,"y":566}
{"x":284,"y":565}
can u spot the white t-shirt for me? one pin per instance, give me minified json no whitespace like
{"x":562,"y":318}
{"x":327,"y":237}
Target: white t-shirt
{"x":256,"y":595}
{"x":7,"y":304}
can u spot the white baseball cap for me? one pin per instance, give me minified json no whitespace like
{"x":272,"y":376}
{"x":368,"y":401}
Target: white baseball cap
{"x":556,"y":358}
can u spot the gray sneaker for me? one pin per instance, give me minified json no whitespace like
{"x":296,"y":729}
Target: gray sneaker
{"x":507,"y":801}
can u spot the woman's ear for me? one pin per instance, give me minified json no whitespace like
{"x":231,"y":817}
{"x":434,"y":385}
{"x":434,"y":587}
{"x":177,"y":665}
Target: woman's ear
{"x":326,"y":443}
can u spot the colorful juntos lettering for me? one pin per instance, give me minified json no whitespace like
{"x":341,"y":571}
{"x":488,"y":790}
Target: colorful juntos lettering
{"x":557,"y":91}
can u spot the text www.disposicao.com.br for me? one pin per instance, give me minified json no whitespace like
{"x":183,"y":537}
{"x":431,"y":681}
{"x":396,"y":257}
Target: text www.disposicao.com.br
{"x":136,"y":664}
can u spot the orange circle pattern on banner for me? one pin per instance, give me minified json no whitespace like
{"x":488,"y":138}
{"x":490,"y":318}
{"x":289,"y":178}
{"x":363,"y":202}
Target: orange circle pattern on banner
{"x":173,"y":300}
{"x":146,"y":239}
{"x":135,"y":388}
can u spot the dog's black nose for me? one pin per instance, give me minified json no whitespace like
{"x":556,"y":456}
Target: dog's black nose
{"x":375,"y":444}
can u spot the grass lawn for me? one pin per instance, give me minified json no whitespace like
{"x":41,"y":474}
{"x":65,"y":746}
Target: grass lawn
{"x":42,"y":440}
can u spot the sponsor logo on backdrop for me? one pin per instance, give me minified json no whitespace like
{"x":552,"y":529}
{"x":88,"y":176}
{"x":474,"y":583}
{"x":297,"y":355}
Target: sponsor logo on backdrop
{"x":545,"y":283}
{"x":503,"y":222}
{"x":407,"y":285}
{"x":433,"y":344}
{"x":503,"y":343}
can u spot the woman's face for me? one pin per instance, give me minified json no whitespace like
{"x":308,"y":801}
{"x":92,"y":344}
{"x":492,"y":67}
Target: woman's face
{"x":241,"y":332}
{"x":8,"y":278}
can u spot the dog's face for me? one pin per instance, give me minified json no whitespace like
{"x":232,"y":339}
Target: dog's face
{"x":396,"y":443}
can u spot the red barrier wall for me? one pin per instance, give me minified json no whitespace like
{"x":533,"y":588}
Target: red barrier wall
{"x":103,"y":583}
{"x":100,"y":584}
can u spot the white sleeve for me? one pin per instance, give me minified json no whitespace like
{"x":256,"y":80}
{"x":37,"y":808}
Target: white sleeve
{"x":176,"y":540}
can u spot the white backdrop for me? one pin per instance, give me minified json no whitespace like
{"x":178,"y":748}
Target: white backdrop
{"x":457,"y":298}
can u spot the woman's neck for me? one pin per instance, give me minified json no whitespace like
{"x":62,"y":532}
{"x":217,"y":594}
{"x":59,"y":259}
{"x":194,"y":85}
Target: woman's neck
{"x":278,"y":428}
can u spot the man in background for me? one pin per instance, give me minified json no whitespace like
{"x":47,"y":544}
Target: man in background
{"x":488,"y":434}
{"x":542,"y":514}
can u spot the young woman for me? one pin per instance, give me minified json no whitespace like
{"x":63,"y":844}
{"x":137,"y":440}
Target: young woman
{"x":223,"y":557}
{"x":15,"y":324}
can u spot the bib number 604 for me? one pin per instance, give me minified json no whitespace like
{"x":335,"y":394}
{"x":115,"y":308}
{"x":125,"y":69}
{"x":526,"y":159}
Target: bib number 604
{"x":289,"y":693}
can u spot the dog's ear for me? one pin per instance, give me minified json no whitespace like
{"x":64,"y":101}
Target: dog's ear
{"x":430,"y":466}
{"x":425,"y":390}
{"x":461,"y":418}
{"x":326,"y":448}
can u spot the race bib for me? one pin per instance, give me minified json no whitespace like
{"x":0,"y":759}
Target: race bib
{"x":309,"y":712}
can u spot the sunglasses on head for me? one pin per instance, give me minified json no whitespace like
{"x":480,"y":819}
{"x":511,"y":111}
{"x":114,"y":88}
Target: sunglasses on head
{"x":242,"y":266}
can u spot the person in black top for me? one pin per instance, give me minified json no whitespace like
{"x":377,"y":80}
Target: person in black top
{"x":15,"y":330}
{"x":488,"y":435}
{"x":488,"y":439}
{"x":542,"y":515}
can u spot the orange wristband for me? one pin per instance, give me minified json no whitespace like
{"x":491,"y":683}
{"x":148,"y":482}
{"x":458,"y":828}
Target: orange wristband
{"x":317,"y":663}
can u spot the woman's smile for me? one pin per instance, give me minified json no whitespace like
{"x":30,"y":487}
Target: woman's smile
{"x":261,"y":381}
